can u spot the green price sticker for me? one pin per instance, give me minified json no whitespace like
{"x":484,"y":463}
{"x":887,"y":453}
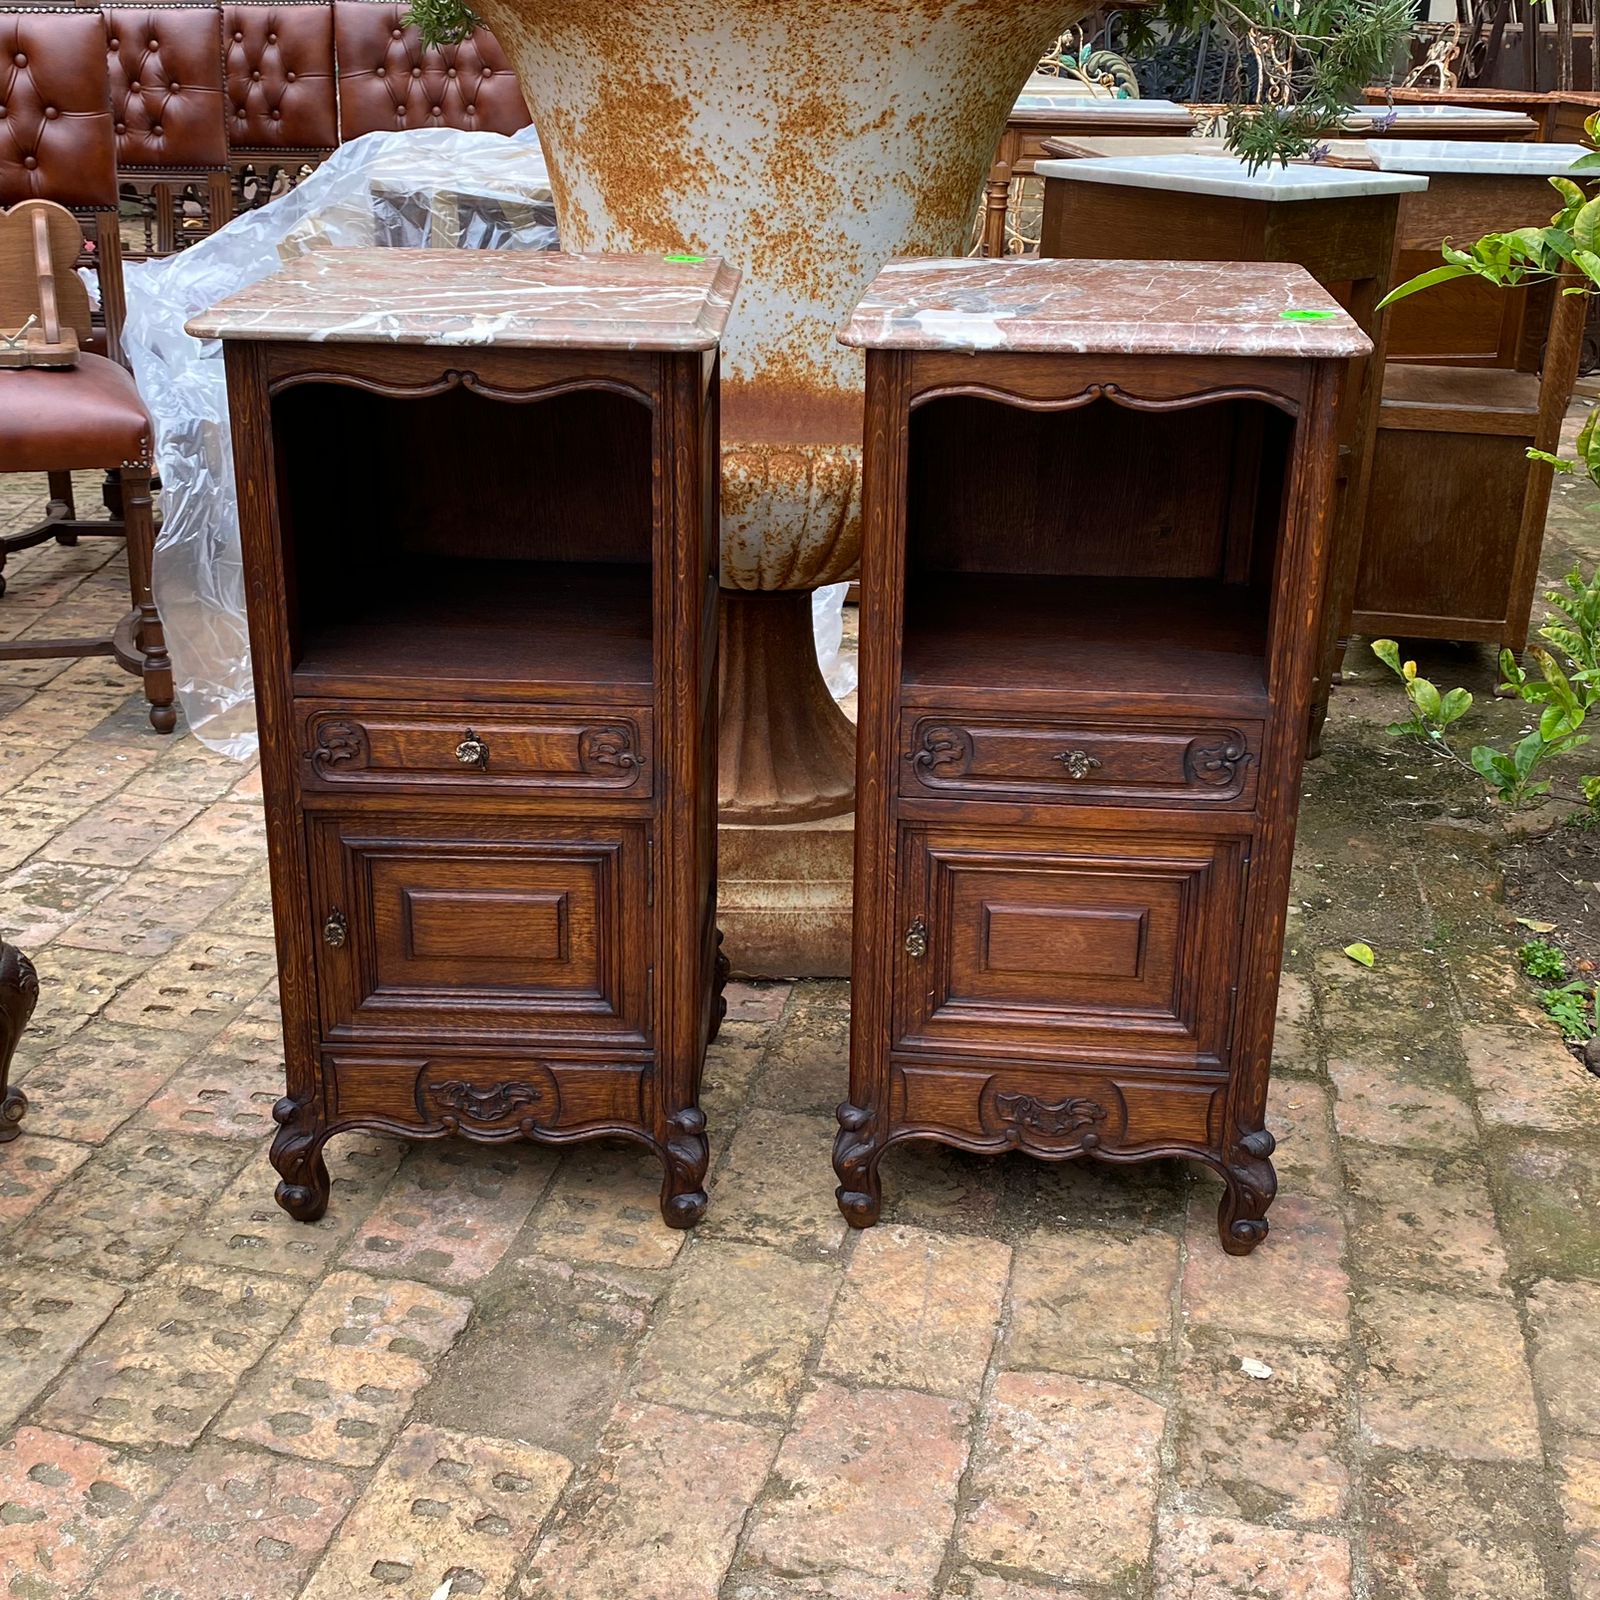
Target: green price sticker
{"x":1299,"y":315}
{"x":691,"y":261}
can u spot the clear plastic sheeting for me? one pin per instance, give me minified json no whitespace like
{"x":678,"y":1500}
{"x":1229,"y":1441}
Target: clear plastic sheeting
{"x":827,"y":626}
{"x":432,"y":189}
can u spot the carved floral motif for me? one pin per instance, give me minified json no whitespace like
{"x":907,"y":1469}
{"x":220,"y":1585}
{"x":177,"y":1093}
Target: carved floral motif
{"x":609,"y":749}
{"x":1049,"y":1119}
{"x":1220,"y":762}
{"x":945,"y":751}
{"x":338,"y":744}
{"x":489,"y":1104}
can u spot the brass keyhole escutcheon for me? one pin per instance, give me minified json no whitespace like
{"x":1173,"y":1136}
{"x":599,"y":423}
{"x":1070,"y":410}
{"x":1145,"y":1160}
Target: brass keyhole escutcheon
{"x":1079,"y":763}
{"x":473,"y":752}
{"x":335,"y":930}
{"x":917,"y":940}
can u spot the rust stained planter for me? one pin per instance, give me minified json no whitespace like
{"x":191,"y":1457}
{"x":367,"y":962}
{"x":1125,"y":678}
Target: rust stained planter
{"x":807,"y":141}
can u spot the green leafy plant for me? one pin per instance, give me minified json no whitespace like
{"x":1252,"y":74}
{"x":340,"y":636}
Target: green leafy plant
{"x":1572,"y":1009}
{"x":442,"y":21}
{"x":1542,"y":960}
{"x":1562,"y":695}
{"x":1570,"y":242}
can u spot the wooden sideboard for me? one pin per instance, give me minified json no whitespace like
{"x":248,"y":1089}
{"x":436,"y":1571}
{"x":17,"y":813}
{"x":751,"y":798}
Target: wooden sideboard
{"x":478,"y":495}
{"x":1095,"y":519}
{"x":1476,"y":377}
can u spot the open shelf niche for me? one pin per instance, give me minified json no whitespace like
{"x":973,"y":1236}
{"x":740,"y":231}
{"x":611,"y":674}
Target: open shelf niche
{"x":1092,"y":549}
{"x":407,"y":568}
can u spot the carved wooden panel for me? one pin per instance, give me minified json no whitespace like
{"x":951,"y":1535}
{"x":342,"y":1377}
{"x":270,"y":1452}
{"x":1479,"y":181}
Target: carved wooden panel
{"x":1066,"y":944}
{"x":1063,"y":1111}
{"x":476,"y":926}
{"x":485,"y":1096}
{"x":477,"y":748}
{"x":1157,"y":763}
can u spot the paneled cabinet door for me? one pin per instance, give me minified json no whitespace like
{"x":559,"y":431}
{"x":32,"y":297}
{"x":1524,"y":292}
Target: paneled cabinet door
{"x":1067,"y":945}
{"x":479,"y":927}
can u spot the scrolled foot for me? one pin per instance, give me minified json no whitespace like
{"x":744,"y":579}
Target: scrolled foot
{"x":12,"y":1110}
{"x":1251,"y":1185}
{"x":19,"y":993}
{"x":856,"y":1153}
{"x":686,"y":1157}
{"x":297,"y":1154}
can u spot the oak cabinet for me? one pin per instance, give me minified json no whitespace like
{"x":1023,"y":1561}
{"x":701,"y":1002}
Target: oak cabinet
{"x":1096,"y":509}
{"x":478,"y":496}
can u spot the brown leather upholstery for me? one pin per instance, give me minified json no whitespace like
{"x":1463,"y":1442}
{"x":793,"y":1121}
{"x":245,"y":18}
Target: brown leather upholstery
{"x":388,"y":81}
{"x":74,"y":419}
{"x":166,"y":86}
{"x":56,"y":139}
{"x":280,"y":76}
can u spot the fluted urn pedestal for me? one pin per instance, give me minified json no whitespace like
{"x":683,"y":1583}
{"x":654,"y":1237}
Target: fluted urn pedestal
{"x":807,"y":141}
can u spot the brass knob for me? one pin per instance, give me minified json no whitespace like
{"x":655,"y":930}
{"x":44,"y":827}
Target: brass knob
{"x":472,"y":751}
{"x":917,"y":940}
{"x":1079,"y":763}
{"x":335,"y":930}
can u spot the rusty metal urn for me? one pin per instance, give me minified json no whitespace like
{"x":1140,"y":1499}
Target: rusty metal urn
{"x":807,"y":141}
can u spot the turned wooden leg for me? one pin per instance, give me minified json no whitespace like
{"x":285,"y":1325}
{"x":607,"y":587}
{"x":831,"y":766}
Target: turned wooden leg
{"x":62,"y":507}
{"x":1251,"y":1184}
{"x":856,"y":1153}
{"x":685,"y":1158}
{"x":139,"y":519}
{"x":297,"y":1154}
{"x":19,"y":993}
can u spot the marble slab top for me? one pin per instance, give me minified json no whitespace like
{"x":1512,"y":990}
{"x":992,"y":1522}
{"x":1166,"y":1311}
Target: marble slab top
{"x":1223,"y":308}
{"x":512,"y":298}
{"x":1101,"y":108}
{"x":1484,"y":115}
{"x":1467,"y":155}
{"x":1229,"y":177}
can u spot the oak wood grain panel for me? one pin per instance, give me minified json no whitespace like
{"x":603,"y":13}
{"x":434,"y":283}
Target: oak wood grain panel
{"x":555,"y":749}
{"x":1081,"y":762}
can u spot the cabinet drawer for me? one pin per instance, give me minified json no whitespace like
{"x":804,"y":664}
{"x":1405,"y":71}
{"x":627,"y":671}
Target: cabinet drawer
{"x":1068,"y":946}
{"x":477,"y":748}
{"x":1059,"y":1112}
{"x":479,"y":928}
{"x":1178,"y":762}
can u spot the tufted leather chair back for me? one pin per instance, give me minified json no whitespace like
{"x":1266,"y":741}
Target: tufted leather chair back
{"x":166,"y":86}
{"x":56,"y":138}
{"x":280,"y":80}
{"x":388,"y":81}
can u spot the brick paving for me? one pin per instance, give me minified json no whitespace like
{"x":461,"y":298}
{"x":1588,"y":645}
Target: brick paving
{"x":493,"y":1372}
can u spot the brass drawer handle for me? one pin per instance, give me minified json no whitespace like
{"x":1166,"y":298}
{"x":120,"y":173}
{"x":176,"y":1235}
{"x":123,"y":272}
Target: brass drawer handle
{"x":917,"y":940}
{"x":1079,"y":763}
{"x":335,"y":930}
{"x":473,"y":752}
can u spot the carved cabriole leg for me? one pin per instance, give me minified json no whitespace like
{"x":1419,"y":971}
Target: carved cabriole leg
{"x":1251,"y":1184}
{"x":686,"y":1157}
{"x":19,"y":993}
{"x":856,"y":1153}
{"x":297,"y":1154}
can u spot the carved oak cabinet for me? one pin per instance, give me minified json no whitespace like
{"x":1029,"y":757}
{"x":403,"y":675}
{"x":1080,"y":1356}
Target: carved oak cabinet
{"x":1095,"y":541}
{"x":478,"y":497}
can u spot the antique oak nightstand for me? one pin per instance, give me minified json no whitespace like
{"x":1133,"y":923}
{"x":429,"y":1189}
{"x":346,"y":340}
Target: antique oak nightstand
{"x":478,"y":496}
{"x":1095,"y":538}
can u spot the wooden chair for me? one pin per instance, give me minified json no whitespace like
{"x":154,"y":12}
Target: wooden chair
{"x":282,"y":113}
{"x":57,"y":144}
{"x":165,"y":64}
